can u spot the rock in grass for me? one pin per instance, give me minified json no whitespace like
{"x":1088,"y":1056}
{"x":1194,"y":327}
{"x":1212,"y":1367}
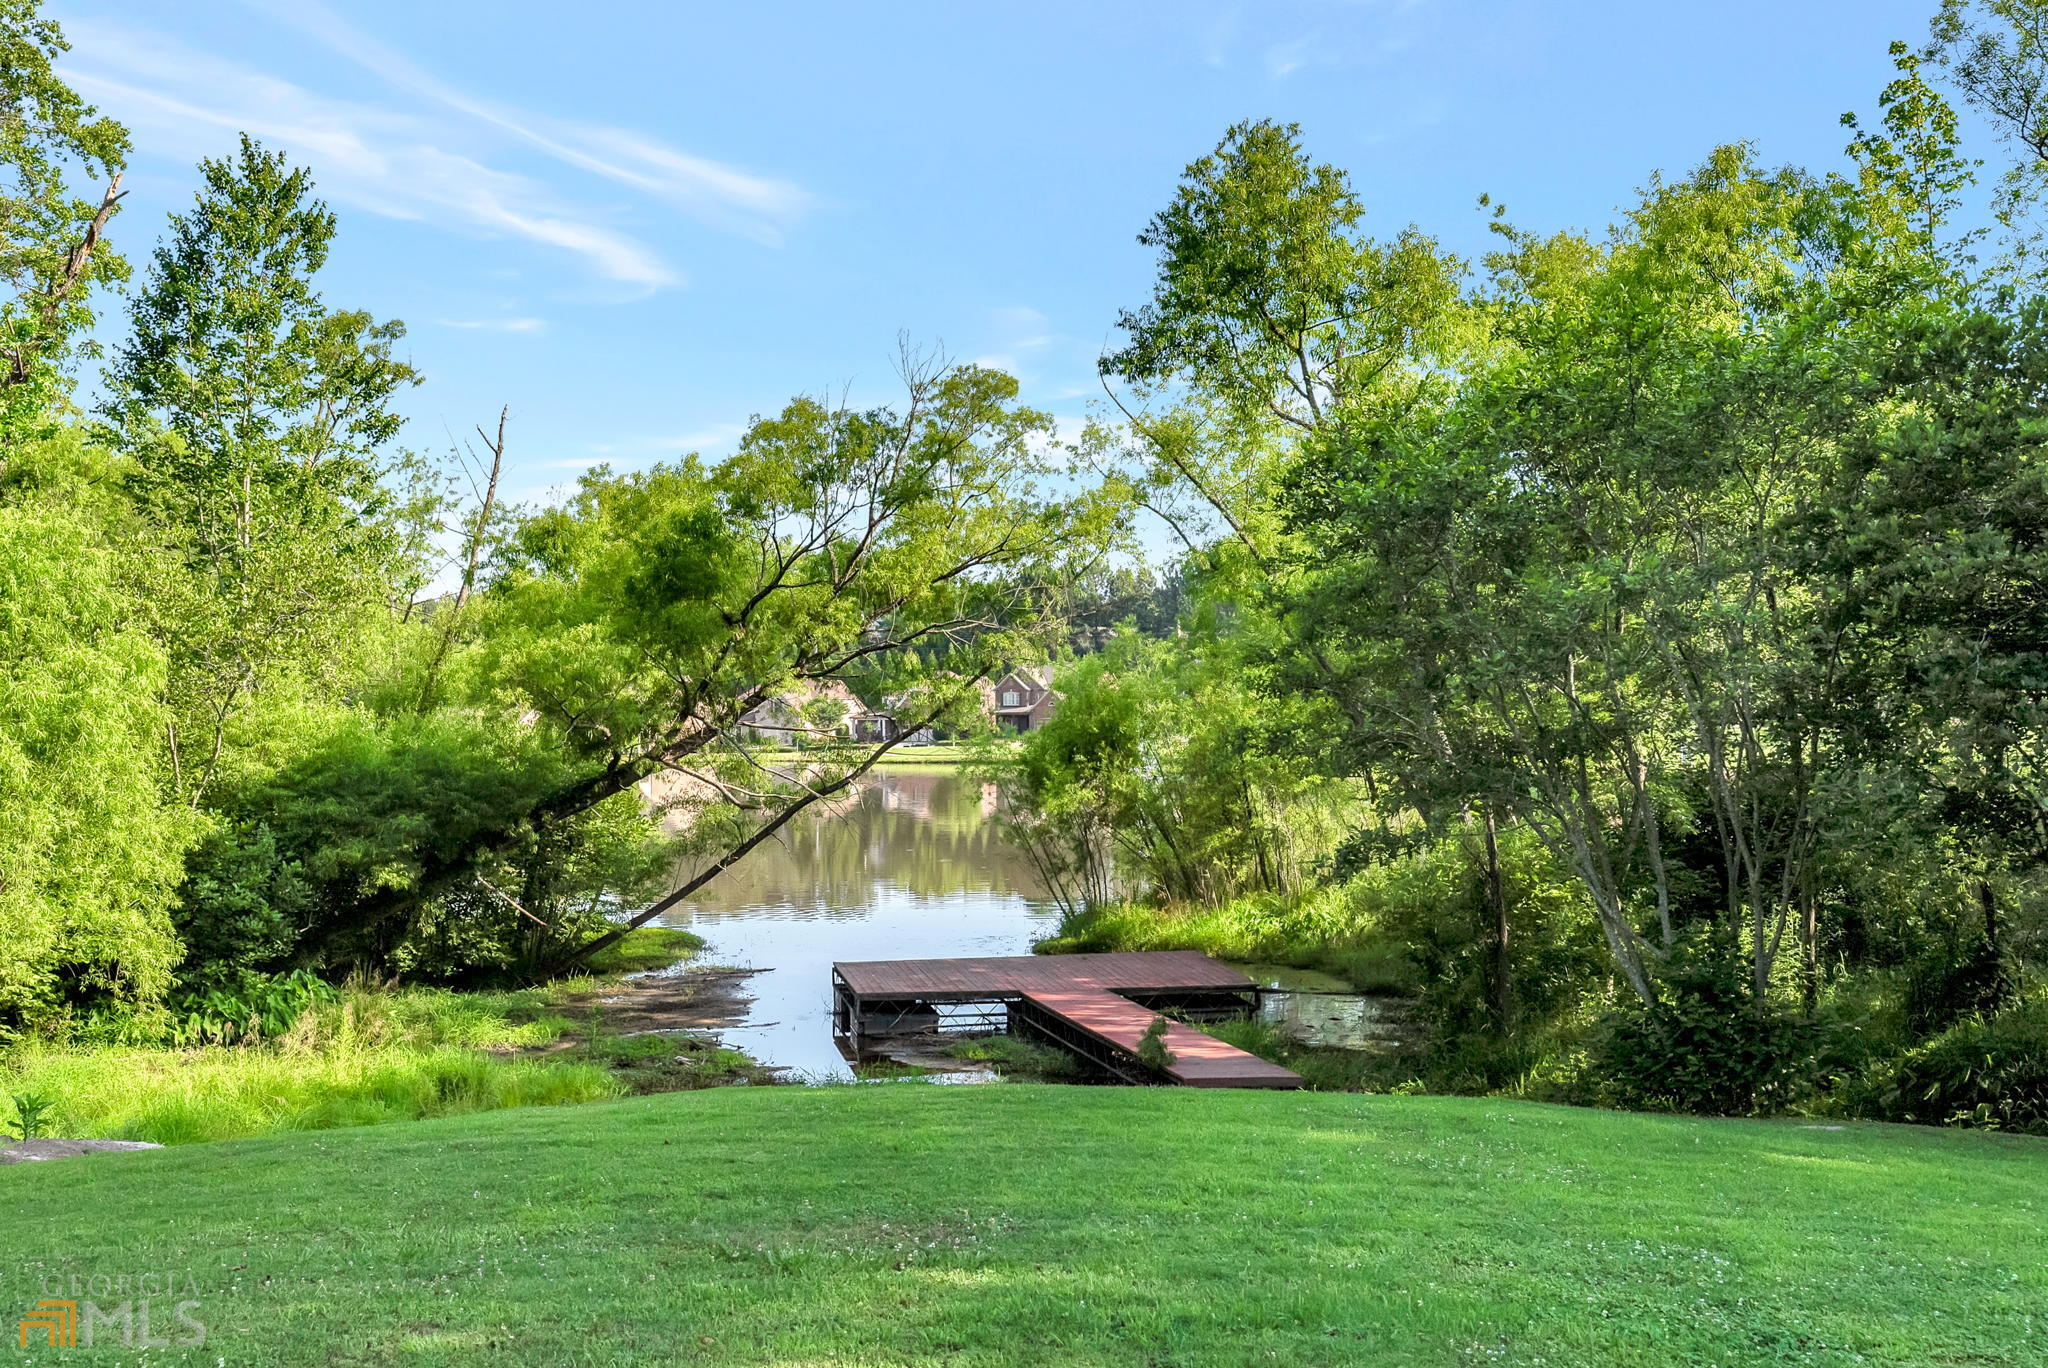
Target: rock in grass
{"x":32,"y":1151}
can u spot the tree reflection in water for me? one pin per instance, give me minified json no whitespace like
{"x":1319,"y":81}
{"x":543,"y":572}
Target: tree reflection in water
{"x":912,"y":866}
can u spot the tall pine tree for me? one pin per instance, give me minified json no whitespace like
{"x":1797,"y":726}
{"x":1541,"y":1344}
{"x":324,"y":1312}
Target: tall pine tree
{"x":258,"y":417}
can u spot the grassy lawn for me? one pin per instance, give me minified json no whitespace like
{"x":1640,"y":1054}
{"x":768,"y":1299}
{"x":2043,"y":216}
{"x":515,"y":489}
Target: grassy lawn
{"x":1009,"y":1225}
{"x":371,"y":1056}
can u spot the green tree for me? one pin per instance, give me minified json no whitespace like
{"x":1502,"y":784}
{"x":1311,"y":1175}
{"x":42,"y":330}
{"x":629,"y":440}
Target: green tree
{"x":1936,"y":533}
{"x":1272,"y":317}
{"x":1172,"y":766}
{"x":51,"y":248}
{"x":618,"y":639}
{"x":1915,"y":162}
{"x":1269,"y":298}
{"x":1549,"y":547}
{"x":1996,"y":54}
{"x":1576,"y":588}
{"x":258,"y":417}
{"x":90,"y":851}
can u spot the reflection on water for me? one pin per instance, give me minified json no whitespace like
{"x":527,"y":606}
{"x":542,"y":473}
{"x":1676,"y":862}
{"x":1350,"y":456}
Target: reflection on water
{"x":910,"y":867}
{"x":1322,"y":1009}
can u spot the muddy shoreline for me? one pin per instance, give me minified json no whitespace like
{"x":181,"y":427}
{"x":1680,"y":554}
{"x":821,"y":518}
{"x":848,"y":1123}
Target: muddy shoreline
{"x":680,"y":998}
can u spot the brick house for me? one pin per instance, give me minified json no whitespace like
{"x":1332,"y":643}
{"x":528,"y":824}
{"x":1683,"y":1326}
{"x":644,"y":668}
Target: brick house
{"x":1025,"y":699}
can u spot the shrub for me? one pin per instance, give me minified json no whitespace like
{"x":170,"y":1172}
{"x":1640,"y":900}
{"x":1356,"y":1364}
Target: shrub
{"x":258,"y":1007}
{"x":31,"y":1116}
{"x":240,"y":905}
{"x":1706,"y":1046}
{"x":1944,"y":990}
{"x":1152,"y":1051}
{"x":1989,"y":1071}
{"x":1413,"y":927}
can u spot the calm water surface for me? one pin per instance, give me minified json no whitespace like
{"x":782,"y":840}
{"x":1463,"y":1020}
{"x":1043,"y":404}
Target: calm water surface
{"x":910,"y":867}
{"x":913,"y":866}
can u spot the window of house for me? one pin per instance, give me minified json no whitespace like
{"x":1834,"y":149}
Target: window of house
{"x":1009,"y":698}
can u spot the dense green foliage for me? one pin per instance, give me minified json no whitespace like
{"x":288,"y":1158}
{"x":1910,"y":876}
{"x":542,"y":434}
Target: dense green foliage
{"x":1983,"y":1071}
{"x":50,"y":252}
{"x":242,"y":738}
{"x":1674,"y":597}
{"x":89,"y":850}
{"x":1629,"y":646}
{"x":913,"y":1225}
{"x":1166,"y":762}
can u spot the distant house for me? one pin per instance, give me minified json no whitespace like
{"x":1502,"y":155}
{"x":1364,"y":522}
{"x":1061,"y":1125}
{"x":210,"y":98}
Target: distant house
{"x":1022,"y":700}
{"x":880,"y":724}
{"x":887,"y":723}
{"x":807,"y":713}
{"x":1025,"y":699}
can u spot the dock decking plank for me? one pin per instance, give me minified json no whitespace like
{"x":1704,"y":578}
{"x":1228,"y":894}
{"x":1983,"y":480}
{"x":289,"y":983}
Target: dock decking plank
{"x":1085,"y":991}
{"x":1199,"y":1060}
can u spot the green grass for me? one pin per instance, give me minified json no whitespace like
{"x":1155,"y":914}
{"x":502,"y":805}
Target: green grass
{"x":904,"y":1224}
{"x":643,"y":948}
{"x":1313,"y":930}
{"x":368,"y":1058}
{"x":372,"y":1056}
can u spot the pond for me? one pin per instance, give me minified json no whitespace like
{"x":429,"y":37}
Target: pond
{"x":914,"y":866}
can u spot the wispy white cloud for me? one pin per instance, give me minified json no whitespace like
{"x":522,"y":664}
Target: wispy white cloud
{"x":1338,"y":33}
{"x":185,"y":103}
{"x":715,"y":192}
{"x":409,"y":159}
{"x":1215,"y":38}
{"x":1029,"y":329}
{"x":1018,"y":332}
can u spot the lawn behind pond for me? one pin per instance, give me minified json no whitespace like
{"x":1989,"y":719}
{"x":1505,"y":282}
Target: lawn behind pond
{"x":908,"y":1224}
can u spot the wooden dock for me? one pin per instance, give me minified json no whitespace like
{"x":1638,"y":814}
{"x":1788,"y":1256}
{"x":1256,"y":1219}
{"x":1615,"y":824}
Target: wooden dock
{"x":1097,"y":1006}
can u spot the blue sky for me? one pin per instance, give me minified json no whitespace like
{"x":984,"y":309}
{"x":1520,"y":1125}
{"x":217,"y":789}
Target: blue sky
{"x":639,"y":224}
